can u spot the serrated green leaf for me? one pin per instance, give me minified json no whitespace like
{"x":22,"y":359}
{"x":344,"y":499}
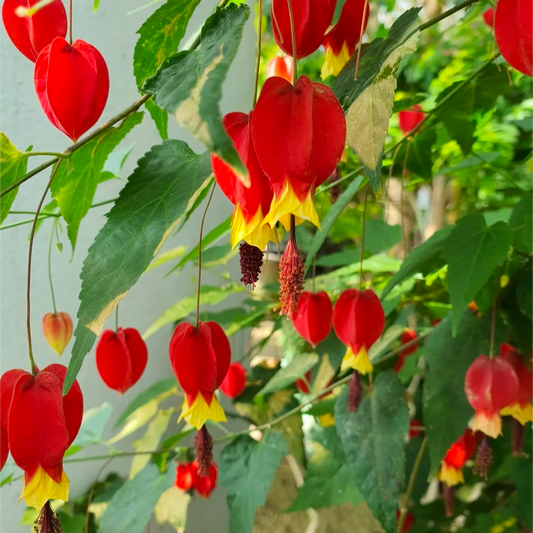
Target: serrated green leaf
{"x":189,"y":83}
{"x":373,"y":439}
{"x":13,"y":165}
{"x":160,"y":118}
{"x":76,"y":180}
{"x":156,"y":198}
{"x":473,"y":250}
{"x":521,"y":223}
{"x":247,"y":469}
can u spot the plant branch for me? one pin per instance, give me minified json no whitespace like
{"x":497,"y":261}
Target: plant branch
{"x":446,"y":14}
{"x":259,"y":44}
{"x":50,"y":266}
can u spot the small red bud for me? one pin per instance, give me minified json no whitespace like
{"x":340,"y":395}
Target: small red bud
{"x":57,"y":329}
{"x":488,"y":17}
{"x":235,"y":381}
{"x":185,"y":473}
{"x":281,"y":67}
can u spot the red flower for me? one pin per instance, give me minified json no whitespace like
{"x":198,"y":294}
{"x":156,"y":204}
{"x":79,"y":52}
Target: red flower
{"x":235,"y":381}
{"x":281,"y":67}
{"x":311,"y":21}
{"x":303,"y":384}
{"x":40,"y":424}
{"x":204,"y":486}
{"x":490,"y":385}
{"x":410,"y":119}
{"x":341,"y":41}
{"x":57,"y":330}
{"x":521,"y":409}
{"x":408,"y":522}
{"x":72,"y":84}
{"x":415,"y":428}
{"x":121,"y":358}
{"x":313,"y":318}
{"x":30,"y":34}
{"x":251,"y":203}
{"x":185,"y":473}
{"x":200,"y":358}
{"x":513,"y":28}
{"x":299,"y":135}
{"x":408,"y":335}
{"x":450,"y":471}
{"x":488,"y":17}
{"x":358,"y":320}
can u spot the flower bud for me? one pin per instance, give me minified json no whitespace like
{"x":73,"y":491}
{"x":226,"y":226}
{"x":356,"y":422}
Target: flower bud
{"x":282,"y":67}
{"x":57,"y":330}
{"x":410,"y":119}
{"x":235,"y":381}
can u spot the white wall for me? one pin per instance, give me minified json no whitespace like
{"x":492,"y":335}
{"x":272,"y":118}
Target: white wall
{"x":113,"y":33}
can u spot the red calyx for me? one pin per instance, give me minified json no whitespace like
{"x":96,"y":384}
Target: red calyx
{"x":235,"y":381}
{"x":33,"y":33}
{"x":72,"y":85}
{"x":488,"y":17}
{"x":513,"y":28}
{"x":410,"y":119}
{"x":311,"y":21}
{"x":313,"y":318}
{"x":282,"y":67}
{"x":121,"y":358}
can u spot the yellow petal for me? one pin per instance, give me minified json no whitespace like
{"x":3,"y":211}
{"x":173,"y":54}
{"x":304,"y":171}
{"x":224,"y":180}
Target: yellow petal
{"x":522,"y":413}
{"x":197,"y":414}
{"x":358,"y":361}
{"x":490,"y":426}
{"x":450,"y":475}
{"x":42,"y":488}
{"x":335,"y":63}
{"x":254,"y":232}
{"x":326,"y":420}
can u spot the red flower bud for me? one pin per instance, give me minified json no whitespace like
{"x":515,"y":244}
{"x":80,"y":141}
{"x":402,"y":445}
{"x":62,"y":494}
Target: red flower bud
{"x":282,"y":67}
{"x":30,"y":34}
{"x":235,"y":381}
{"x":299,"y":135}
{"x":513,"y":28}
{"x":200,"y":358}
{"x":490,"y":385}
{"x":488,"y":17}
{"x":358,"y":320}
{"x":303,"y":384}
{"x":340,"y":42}
{"x":185,"y":473}
{"x":410,"y":119}
{"x":408,"y":335}
{"x":57,"y":329}
{"x":311,"y":21}
{"x":450,"y":471}
{"x":205,"y":485}
{"x":72,"y":85}
{"x":121,"y":358}
{"x":313,"y":318}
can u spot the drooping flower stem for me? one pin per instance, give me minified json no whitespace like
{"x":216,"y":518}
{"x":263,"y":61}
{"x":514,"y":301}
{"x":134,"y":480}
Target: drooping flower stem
{"x":70,"y":22}
{"x":116,"y":318}
{"x":294,"y":51}
{"x":360,"y":45}
{"x":54,"y":226}
{"x":363,"y":242}
{"x":259,"y":44}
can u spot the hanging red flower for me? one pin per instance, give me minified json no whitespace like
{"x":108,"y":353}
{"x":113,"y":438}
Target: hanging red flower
{"x":490,"y":385}
{"x":200,"y":358}
{"x":205,"y":485}
{"x":185,"y":473}
{"x":299,"y":135}
{"x":40,"y":424}
{"x":72,"y":85}
{"x":408,"y":335}
{"x":513,"y":28}
{"x":521,"y":409}
{"x":282,"y":67}
{"x":33,"y":33}
{"x":311,"y":21}
{"x":451,"y":467}
{"x":410,"y":119}
{"x":488,"y":17}
{"x":341,"y":40}
{"x":313,"y":318}
{"x":57,"y":330}
{"x":251,"y":203}
{"x":235,"y":381}
{"x":121,"y":358}
{"x":358,"y":320}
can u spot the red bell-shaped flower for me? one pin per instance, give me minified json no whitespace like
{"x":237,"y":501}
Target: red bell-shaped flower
{"x":408,"y":335}
{"x":251,"y":203}
{"x":282,"y":67}
{"x":299,"y":135}
{"x":40,"y":424}
{"x":205,"y":485}
{"x":488,"y":17}
{"x":513,"y":28}
{"x":358,"y":320}
{"x":341,"y":41}
{"x":235,"y":381}
{"x":410,"y":119}
{"x":451,"y":468}
{"x":313,"y":318}
{"x":57,"y":330}
{"x":121,"y":358}
{"x":521,"y":409}
{"x":72,"y":84}
{"x":311,"y":21}
{"x":200,"y":358}
{"x":30,"y":34}
{"x":490,"y":385}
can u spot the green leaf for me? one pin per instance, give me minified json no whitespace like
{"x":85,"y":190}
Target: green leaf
{"x":160,"y":36}
{"x":338,"y":10}
{"x":420,"y":156}
{"x":172,"y":508}
{"x":156,"y":198}
{"x":521,"y":223}
{"x":524,"y":291}
{"x":373,"y":439}
{"x":132,"y":505}
{"x":287,"y":375}
{"x":425,"y":258}
{"x":76,"y":180}
{"x":189,"y":83}
{"x":160,"y":118}
{"x":380,"y":236}
{"x":247,"y":469}
{"x":96,"y":4}
{"x":473,"y":250}
{"x":93,"y":425}
{"x":333,"y":214}
{"x":13,"y":165}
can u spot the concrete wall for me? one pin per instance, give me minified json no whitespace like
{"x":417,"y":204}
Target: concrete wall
{"x":112,"y":31}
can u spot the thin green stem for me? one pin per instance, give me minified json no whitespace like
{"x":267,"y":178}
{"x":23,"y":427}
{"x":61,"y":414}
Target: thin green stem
{"x":70,"y":22}
{"x":293,"y":38}
{"x":116,"y":318}
{"x":314,"y":273}
{"x":259,"y":45}
{"x":446,"y":14}
{"x":363,"y":242}
{"x":50,"y":281}
{"x":21,"y":223}
{"x":59,"y":155}
{"x":360,"y":45}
